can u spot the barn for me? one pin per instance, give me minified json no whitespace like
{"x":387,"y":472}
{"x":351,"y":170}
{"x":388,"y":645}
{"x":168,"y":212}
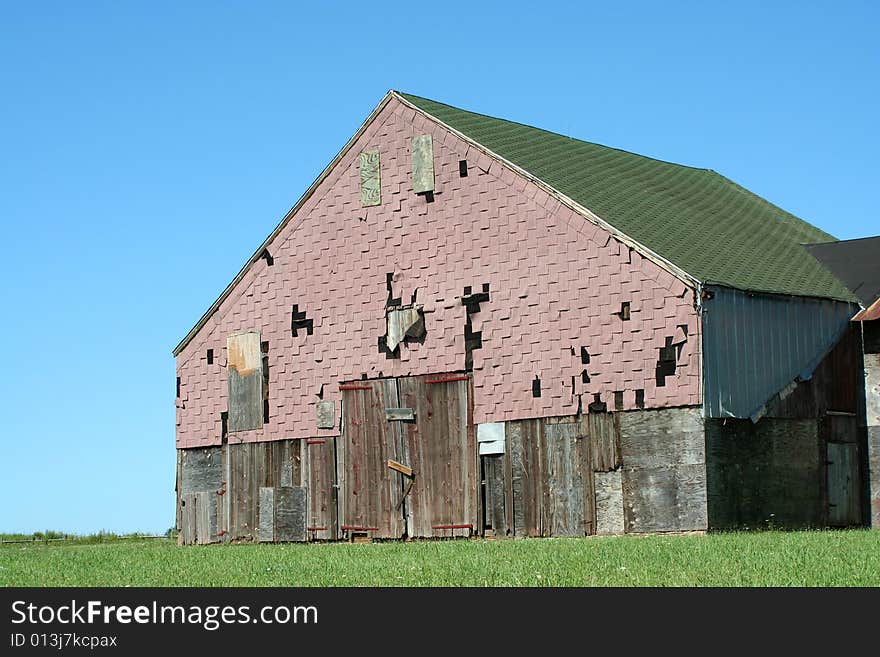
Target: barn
{"x":468,"y":326}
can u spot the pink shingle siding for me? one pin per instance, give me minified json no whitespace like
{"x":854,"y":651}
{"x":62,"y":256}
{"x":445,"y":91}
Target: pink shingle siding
{"x":556,"y":283}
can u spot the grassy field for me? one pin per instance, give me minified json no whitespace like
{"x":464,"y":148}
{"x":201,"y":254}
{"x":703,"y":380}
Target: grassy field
{"x":827,"y":558}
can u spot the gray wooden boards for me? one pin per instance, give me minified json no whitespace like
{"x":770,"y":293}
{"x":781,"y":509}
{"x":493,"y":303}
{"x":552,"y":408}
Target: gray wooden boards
{"x":371,"y":188}
{"x":239,"y":475}
{"x":664,"y":470}
{"x":200,"y":509}
{"x":606,"y":473}
{"x":283,"y":512}
{"x":244,"y":365}
{"x":198,"y":518}
{"x":326,"y":414}
{"x":550,"y":478}
{"x":422,"y":148}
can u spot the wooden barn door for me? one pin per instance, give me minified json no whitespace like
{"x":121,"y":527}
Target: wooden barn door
{"x":319,"y":477}
{"x":369,"y":489}
{"x":843,"y":484}
{"x":408,"y":458}
{"x":441,"y":449}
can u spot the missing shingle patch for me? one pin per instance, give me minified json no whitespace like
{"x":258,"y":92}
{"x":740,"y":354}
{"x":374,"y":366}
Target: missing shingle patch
{"x":299,"y":321}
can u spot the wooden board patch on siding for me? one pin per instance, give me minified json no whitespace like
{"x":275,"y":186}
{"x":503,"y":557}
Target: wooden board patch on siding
{"x":371,"y":188}
{"x":422,"y":164}
{"x":609,"y":502}
{"x":199,"y":518}
{"x":244,"y":370}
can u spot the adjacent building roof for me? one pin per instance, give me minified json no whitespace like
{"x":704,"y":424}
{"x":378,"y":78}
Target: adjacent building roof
{"x":705,"y":224}
{"x":869,"y":314}
{"x":855,"y":262}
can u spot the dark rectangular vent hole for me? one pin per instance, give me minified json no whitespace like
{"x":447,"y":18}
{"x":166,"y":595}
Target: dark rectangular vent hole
{"x":536,"y":387}
{"x":640,"y":398}
{"x":210,"y":356}
{"x":624,"y":311}
{"x":618,"y":399}
{"x":265,"y":411}
{"x":462,"y":168}
{"x":178,"y":387}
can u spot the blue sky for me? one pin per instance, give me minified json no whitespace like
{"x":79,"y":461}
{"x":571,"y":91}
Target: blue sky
{"x":147,"y":149}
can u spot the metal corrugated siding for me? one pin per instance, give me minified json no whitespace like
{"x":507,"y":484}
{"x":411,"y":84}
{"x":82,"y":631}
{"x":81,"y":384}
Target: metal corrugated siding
{"x":754,"y":345}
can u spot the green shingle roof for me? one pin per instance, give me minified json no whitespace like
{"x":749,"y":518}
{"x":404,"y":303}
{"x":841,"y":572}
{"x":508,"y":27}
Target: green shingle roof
{"x":705,"y":224}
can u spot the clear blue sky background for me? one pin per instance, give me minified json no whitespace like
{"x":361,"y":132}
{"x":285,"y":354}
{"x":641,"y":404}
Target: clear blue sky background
{"x":147,"y":149}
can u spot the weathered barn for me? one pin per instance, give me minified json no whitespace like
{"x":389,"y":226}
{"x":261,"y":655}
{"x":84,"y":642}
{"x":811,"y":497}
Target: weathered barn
{"x":468,"y":326}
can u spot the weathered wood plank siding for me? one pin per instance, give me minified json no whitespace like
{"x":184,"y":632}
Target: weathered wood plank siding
{"x":253,"y":466}
{"x":319,"y":477}
{"x":198,"y":517}
{"x":664,"y":470}
{"x":497,"y":509}
{"x":604,"y":431}
{"x":200,"y":484}
{"x":549,"y":481}
{"x":370,"y":489}
{"x":266,"y":533}
{"x":440,"y":446}
{"x":291,"y":511}
{"x":234,"y":475}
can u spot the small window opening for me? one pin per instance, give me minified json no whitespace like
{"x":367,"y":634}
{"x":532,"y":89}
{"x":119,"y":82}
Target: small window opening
{"x":536,"y":387}
{"x":462,"y":168}
{"x":265,"y":255}
{"x":210,"y":356}
{"x":178,"y":387}
{"x":640,"y":398}
{"x":624,"y":311}
{"x":618,"y":399}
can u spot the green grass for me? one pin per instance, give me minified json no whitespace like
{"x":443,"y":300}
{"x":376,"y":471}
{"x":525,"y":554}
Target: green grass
{"x":826,"y":558}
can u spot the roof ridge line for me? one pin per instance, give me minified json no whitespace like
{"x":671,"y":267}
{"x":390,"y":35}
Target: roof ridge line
{"x":563,"y":198}
{"x":550,"y":132}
